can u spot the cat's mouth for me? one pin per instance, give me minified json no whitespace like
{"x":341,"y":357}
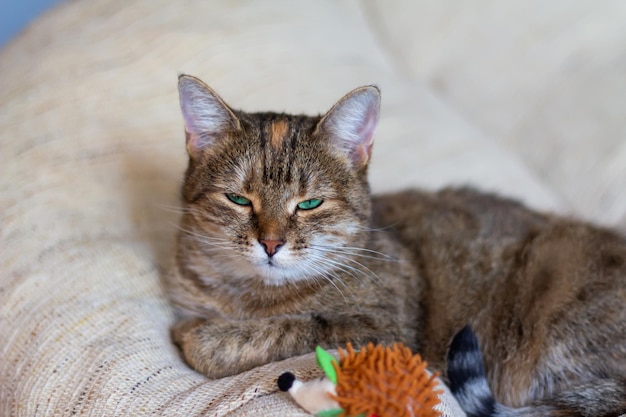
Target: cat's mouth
{"x":274,"y":265}
{"x":270,"y":264}
{"x":276,"y":273}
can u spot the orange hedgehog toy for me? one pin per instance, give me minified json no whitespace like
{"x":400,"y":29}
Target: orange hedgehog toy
{"x":375,"y":381}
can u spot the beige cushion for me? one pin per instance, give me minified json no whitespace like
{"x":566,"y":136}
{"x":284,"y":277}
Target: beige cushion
{"x":547,"y":80}
{"x":92,"y":155}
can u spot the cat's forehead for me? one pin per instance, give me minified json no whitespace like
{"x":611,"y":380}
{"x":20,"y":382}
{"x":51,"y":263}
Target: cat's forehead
{"x":282,"y":154}
{"x":281,"y":141}
{"x":279,"y":129}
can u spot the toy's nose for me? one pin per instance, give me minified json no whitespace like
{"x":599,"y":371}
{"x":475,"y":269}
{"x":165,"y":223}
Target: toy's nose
{"x":271,"y":246}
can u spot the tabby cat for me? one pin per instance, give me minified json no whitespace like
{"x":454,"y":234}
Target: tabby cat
{"x":282,"y":248}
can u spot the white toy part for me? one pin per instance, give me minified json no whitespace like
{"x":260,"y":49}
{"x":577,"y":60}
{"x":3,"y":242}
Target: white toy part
{"x":312,"y":395}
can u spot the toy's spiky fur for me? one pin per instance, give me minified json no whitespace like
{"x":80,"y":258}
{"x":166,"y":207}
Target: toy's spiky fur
{"x":385,"y":381}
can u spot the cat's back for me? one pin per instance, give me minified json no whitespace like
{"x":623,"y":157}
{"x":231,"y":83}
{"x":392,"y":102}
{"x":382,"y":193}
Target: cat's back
{"x":511,"y":272}
{"x":485,"y":235}
{"x":455,"y":215}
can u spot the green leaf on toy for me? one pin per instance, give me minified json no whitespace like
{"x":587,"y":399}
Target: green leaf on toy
{"x":325,"y":361}
{"x":335,"y":412}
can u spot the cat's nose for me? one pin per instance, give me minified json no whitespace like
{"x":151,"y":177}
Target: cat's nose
{"x":271,"y":246}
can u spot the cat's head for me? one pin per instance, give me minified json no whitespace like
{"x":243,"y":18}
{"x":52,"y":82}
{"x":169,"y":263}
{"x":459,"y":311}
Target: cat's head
{"x":277,"y":197}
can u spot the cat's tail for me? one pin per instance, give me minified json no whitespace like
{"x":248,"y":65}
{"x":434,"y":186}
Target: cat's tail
{"x":468,"y":383}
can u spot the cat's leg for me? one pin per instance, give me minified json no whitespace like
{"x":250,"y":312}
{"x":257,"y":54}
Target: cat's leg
{"x":219,"y":348}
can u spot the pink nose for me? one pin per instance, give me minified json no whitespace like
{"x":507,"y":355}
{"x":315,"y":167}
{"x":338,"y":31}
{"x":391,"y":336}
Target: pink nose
{"x":271,"y":246}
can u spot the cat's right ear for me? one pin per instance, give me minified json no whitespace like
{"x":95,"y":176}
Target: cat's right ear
{"x":207,"y":117}
{"x":351,"y":122}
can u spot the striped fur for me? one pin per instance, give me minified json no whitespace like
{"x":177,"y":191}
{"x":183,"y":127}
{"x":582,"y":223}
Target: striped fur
{"x":468,"y":383}
{"x":466,"y":375}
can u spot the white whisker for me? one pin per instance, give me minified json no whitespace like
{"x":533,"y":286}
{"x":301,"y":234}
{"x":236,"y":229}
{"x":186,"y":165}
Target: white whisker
{"x":355,"y":251}
{"x":328,"y":276}
{"x":346,"y":268}
{"x":375,"y":278}
{"x":202,"y":237}
{"x":345,"y":257}
{"x":378,"y":229}
{"x":180,"y":210}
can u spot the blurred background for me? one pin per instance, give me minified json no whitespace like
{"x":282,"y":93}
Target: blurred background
{"x":15,"y":15}
{"x":523,"y":98}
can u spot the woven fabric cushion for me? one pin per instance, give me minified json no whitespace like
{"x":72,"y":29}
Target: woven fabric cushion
{"x":92,"y":156}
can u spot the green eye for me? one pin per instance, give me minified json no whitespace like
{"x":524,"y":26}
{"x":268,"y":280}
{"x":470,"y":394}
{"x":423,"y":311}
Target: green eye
{"x":310,"y":204}
{"x":237,"y":199}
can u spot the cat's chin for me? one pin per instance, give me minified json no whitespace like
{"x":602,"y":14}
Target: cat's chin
{"x":271,"y":274}
{"x":275,"y":275}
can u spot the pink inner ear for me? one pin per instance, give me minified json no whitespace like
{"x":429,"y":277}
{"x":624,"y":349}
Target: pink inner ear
{"x":205,"y":115}
{"x":191,"y":125}
{"x":362,"y":127}
{"x":195,"y":138}
{"x":196,"y":141}
{"x":366,"y":136}
{"x":201,"y":112}
{"x":351,"y":124}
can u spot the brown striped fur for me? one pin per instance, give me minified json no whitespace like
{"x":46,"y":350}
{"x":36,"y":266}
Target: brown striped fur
{"x":545,"y":295}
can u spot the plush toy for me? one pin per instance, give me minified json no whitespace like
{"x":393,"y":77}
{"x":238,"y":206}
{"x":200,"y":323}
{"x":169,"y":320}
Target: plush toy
{"x":376,"y":381}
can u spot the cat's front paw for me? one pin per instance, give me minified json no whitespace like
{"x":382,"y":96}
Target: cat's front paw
{"x":218,"y":348}
{"x":181,"y":328}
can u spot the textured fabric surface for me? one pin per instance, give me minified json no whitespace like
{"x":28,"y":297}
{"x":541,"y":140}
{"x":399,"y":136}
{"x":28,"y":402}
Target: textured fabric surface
{"x":92,"y":154}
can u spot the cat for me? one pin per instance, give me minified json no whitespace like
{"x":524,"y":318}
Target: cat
{"x":282,"y":248}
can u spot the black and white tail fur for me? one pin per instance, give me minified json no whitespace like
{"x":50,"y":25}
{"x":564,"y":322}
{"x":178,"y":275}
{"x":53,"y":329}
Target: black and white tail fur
{"x":468,"y":382}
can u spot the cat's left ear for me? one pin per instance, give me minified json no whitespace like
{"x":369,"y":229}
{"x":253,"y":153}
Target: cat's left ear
{"x":351,"y":122}
{"x":207,"y":117}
